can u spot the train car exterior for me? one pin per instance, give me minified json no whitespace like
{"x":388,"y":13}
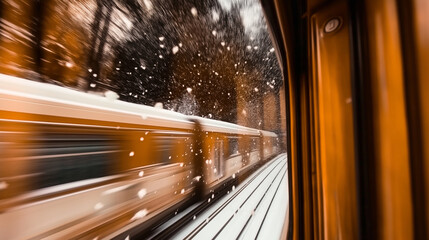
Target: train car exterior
{"x":76,"y":165}
{"x":70,"y":169}
{"x":227,"y":151}
{"x":270,"y":144}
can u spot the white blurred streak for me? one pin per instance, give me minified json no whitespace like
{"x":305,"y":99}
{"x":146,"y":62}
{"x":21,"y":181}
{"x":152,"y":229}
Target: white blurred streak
{"x":142,"y":193}
{"x":148,"y":4}
{"x":81,"y":11}
{"x":140,"y":214}
{"x":114,"y":190}
{"x":98,"y":206}
{"x":215,"y":15}
{"x":3,"y":185}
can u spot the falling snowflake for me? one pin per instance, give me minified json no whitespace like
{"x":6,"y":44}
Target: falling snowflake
{"x":194,"y":11}
{"x":175,"y":49}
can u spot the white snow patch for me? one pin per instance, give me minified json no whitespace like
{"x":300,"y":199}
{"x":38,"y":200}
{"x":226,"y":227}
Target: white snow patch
{"x":139,"y":214}
{"x":98,"y":206}
{"x":215,"y":15}
{"x":148,"y":4}
{"x":175,"y":49}
{"x":111,"y":95}
{"x":158,"y":105}
{"x":3,"y":185}
{"x":142,"y":193}
{"x":194,"y":11}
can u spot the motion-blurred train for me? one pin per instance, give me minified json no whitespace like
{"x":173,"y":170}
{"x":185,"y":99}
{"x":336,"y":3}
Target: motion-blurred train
{"x":75,"y":165}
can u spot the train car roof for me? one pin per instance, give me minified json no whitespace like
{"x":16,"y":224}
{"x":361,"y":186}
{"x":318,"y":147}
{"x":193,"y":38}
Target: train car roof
{"x":42,"y":98}
{"x":225,"y":127}
{"x":47,"y":98}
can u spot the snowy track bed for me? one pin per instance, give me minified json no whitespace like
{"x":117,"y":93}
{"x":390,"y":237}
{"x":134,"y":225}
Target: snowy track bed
{"x":256,"y":209}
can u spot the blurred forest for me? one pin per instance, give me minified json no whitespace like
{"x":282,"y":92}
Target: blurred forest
{"x":211,"y":58}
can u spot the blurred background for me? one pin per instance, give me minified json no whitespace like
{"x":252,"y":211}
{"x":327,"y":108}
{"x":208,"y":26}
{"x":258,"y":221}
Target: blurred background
{"x":208,"y":58}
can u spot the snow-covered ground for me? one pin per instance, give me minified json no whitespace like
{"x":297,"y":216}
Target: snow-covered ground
{"x":256,"y":209}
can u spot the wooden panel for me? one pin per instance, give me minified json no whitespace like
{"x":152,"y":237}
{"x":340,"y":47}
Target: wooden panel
{"x":390,"y":127}
{"x":421,"y":21}
{"x":332,"y":83}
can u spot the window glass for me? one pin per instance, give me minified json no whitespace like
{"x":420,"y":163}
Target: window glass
{"x":218,"y":157}
{"x":165,"y":148}
{"x":255,"y":144}
{"x":233,"y":146}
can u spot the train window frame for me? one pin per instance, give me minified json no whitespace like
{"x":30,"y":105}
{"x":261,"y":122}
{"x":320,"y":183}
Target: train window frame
{"x":218,"y":157}
{"x":174,"y":137}
{"x":255,"y":144}
{"x":237,"y":141}
{"x":67,"y":152}
{"x":47,"y":134}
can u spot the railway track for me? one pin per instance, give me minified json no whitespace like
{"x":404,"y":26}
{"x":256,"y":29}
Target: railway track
{"x":233,"y":212}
